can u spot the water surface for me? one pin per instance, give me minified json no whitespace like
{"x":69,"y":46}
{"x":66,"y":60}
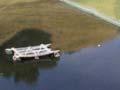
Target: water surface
{"x":82,"y":65}
{"x":93,"y":68}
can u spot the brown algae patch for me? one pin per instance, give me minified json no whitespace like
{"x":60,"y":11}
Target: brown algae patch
{"x":70,"y":28}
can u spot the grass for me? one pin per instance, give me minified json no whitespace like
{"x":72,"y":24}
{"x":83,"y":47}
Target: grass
{"x":107,"y":7}
{"x":70,"y":29}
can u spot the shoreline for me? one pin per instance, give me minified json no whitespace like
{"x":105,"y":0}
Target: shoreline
{"x":92,"y":12}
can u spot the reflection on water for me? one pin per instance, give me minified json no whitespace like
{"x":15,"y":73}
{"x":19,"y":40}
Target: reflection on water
{"x":27,"y":71}
{"x":67,"y":29}
{"x":95,"y":68}
{"x":27,"y":37}
{"x":89,"y":67}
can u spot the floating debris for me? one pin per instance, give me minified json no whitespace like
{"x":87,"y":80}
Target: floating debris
{"x":99,"y":45}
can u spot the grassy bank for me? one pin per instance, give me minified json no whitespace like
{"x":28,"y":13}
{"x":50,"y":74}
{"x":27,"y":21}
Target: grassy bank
{"x":106,"y":7}
{"x":70,"y":29}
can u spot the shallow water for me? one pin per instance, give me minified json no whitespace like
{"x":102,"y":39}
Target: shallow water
{"x":92,"y":68}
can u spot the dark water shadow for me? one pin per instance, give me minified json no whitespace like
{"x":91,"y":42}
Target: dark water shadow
{"x":28,"y":37}
{"x":26,"y":72}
